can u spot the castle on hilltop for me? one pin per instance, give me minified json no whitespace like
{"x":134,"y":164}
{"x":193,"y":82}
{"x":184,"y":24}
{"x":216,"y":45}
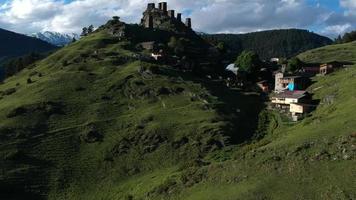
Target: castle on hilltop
{"x":161,"y":17}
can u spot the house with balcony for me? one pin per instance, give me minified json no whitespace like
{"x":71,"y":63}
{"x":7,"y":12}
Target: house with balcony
{"x":296,"y":103}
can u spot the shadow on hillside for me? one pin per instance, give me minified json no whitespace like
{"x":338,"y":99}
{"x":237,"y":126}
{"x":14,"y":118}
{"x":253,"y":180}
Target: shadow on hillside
{"x":10,"y":192}
{"x":240,"y":108}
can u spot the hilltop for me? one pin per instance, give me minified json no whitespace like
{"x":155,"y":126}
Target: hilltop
{"x":270,"y":44}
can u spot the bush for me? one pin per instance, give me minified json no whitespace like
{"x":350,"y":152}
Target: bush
{"x":248,"y":62}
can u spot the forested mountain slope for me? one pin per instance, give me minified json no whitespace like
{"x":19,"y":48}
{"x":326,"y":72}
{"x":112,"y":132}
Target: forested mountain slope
{"x":270,"y":44}
{"x":14,"y":44}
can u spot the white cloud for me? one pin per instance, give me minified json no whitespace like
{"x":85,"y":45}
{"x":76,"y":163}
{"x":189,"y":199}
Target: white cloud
{"x":29,"y":16}
{"x":251,"y":15}
{"x":348,"y":4}
{"x":340,"y":23}
{"x":337,"y":29}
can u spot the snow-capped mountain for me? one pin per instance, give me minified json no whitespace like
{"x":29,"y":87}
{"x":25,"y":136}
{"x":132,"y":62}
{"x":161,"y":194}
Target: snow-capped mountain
{"x":55,"y":38}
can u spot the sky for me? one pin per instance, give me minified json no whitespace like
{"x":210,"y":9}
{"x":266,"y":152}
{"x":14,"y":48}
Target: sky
{"x":326,"y":17}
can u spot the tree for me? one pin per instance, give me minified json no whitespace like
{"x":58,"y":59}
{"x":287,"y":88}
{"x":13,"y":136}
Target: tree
{"x":221,"y":47}
{"x":84,"y":32}
{"x":338,"y":40}
{"x":349,"y":37}
{"x":15,"y":65}
{"x":294,"y":64}
{"x":248,"y":62}
{"x":90,"y":29}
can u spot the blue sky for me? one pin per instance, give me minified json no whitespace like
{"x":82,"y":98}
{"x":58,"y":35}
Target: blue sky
{"x":326,"y":17}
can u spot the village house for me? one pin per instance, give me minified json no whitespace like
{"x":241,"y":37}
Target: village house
{"x":313,"y":69}
{"x":310,"y":71}
{"x":330,"y":67}
{"x":297,"y":110}
{"x":294,"y":102}
{"x":284,"y":99}
{"x":291,"y":83}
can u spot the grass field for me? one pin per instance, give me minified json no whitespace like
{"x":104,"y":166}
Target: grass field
{"x":339,"y":52}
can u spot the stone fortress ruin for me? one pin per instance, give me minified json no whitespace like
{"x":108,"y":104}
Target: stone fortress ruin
{"x":162,"y":18}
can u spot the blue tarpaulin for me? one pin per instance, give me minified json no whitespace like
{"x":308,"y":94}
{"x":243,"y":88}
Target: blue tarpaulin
{"x":291,"y":87}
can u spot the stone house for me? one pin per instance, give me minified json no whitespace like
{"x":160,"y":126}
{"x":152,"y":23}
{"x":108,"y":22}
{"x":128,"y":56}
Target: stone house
{"x":291,"y":83}
{"x":284,"y":99}
{"x":297,"y":103}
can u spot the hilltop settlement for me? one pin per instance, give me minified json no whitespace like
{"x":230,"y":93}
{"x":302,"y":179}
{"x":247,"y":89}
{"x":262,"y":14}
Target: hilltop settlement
{"x":175,"y":43}
{"x":284,"y":84}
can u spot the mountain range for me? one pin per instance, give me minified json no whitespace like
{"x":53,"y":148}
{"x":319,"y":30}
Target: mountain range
{"x":56,"y":38}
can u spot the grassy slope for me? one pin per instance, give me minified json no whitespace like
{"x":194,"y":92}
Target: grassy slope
{"x":153,"y":142}
{"x":340,"y":52}
{"x":90,"y":125}
{"x":312,"y":159}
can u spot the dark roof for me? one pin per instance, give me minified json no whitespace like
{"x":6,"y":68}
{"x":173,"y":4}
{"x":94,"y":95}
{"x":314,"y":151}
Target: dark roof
{"x":292,"y":94}
{"x":305,"y":104}
{"x":291,"y":77}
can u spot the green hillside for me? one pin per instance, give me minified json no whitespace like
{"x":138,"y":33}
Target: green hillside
{"x":93,"y":119}
{"x":98,"y":120}
{"x":340,"y":52}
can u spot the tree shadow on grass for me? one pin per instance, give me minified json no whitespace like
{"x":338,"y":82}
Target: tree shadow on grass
{"x":240,"y":108}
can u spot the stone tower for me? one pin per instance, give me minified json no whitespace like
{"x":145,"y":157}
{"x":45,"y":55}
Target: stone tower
{"x":278,"y":87}
{"x":179,"y":17}
{"x":171,"y":13}
{"x":151,"y":6}
{"x":164,"y":6}
{"x":161,"y":18}
{"x":188,"y":22}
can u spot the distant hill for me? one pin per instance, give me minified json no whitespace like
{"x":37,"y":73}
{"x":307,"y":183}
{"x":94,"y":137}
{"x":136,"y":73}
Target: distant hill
{"x":55,"y":38}
{"x":268,"y":44}
{"x":14,"y":44}
{"x":339,"y":52}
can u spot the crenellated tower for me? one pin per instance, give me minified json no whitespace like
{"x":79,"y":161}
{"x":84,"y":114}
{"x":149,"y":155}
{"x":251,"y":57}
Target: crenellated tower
{"x":162,"y":18}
